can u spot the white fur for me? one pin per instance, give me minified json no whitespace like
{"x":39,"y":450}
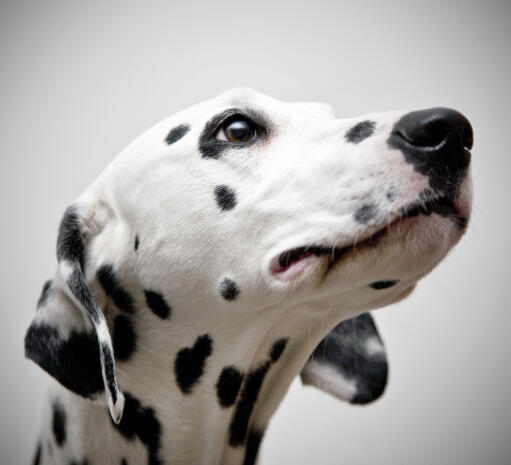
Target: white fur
{"x":300,"y":186}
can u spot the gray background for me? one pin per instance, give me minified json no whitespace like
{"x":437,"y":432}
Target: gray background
{"x":79,"y":80}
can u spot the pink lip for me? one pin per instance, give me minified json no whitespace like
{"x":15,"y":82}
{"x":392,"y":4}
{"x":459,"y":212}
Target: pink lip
{"x":289,"y":272}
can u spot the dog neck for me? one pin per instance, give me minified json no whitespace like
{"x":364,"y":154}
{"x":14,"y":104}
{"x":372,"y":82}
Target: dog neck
{"x":218,"y":401}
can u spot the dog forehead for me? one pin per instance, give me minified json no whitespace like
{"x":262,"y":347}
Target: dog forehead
{"x":277,"y":111}
{"x":186,"y":127}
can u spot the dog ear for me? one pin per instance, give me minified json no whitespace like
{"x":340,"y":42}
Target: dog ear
{"x":69,"y":336}
{"x":350,"y":362}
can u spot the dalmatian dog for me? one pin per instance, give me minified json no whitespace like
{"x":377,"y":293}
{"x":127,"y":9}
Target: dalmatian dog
{"x":230,"y":248}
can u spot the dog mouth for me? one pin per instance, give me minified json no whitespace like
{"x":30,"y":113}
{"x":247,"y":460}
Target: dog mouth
{"x":293,"y":262}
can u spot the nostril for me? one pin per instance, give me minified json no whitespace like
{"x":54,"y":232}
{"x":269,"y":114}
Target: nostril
{"x":436,"y":131}
{"x":429,"y":133}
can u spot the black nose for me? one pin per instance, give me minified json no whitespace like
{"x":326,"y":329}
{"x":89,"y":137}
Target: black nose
{"x":437,"y":142}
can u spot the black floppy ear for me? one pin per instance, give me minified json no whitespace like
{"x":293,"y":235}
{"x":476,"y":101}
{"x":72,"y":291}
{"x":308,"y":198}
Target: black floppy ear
{"x":350,"y":362}
{"x":69,"y":336}
{"x":62,"y":341}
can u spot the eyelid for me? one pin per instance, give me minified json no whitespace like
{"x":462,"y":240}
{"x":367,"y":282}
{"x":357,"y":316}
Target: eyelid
{"x":236,"y":116}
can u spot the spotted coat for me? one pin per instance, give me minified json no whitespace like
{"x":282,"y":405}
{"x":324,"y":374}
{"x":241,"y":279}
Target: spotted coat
{"x":232,"y":247}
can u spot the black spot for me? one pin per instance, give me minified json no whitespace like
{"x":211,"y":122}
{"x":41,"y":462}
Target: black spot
{"x":137,"y":242}
{"x":391,"y":195}
{"x":365,"y":213}
{"x":141,"y":422}
{"x":225,"y":197}
{"x":74,"y":362}
{"x":37,"y":457}
{"x":189,"y":363}
{"x":124,"y":338}
{"x":124,"y":461}
{"x":360,"y":131}
{"x":249,"y":394}
{"x":177,"y":133}
{"x":383,"y":284}
{"x":123,"y":300}
{"x":210,"y":147}
{"x":253,"y":442}
{"x":228,"y":385}
{"x":245,"y":405}
{"x":277,"y":349}
{"x":59,"y":424}
{"x":70,"y":244}
{"x":44,"y":294}
{"x":229,"y":289}
{"x":157,"y":304}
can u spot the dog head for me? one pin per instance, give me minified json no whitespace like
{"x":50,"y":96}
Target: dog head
{"x":244,"y":226}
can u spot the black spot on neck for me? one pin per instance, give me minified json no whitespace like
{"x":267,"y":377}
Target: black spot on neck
{"x":378,"y":285}
{"x":137,"y":243}
{"x":277,"y":349}
{"x":249,"y":394}
{"x":124,"y":461}
{"x":189,"y":363}
{"x":156,"y":302}
{"x":246,"y":403}
{"x":121,"y":298}
{"x":253,"y":443}
{"x":70,"y":243}
{"x":177,"y":133}
{"x":44,"y":294}
{"x":229,"y":289}
{"x":360,"y":131}
{"x":225,"y":197}
{"x":141,"y":422}
{"x":365,"y":213}
{"x":74,"y":362}
{"x":124,"y":338}
{"x":228,"y":386}
{"x":59,"y":424}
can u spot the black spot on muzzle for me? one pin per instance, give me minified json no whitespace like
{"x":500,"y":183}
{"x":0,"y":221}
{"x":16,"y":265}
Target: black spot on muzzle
{"x":360,"y":131}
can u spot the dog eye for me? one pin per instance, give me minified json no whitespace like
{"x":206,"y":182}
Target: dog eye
{"x":237,"y":130}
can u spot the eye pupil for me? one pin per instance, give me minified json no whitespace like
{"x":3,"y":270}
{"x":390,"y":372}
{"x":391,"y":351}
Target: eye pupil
{"x":239,"y":131}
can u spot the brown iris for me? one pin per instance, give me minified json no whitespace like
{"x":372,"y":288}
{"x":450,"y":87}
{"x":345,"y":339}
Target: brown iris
{"x":237,"y":130}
